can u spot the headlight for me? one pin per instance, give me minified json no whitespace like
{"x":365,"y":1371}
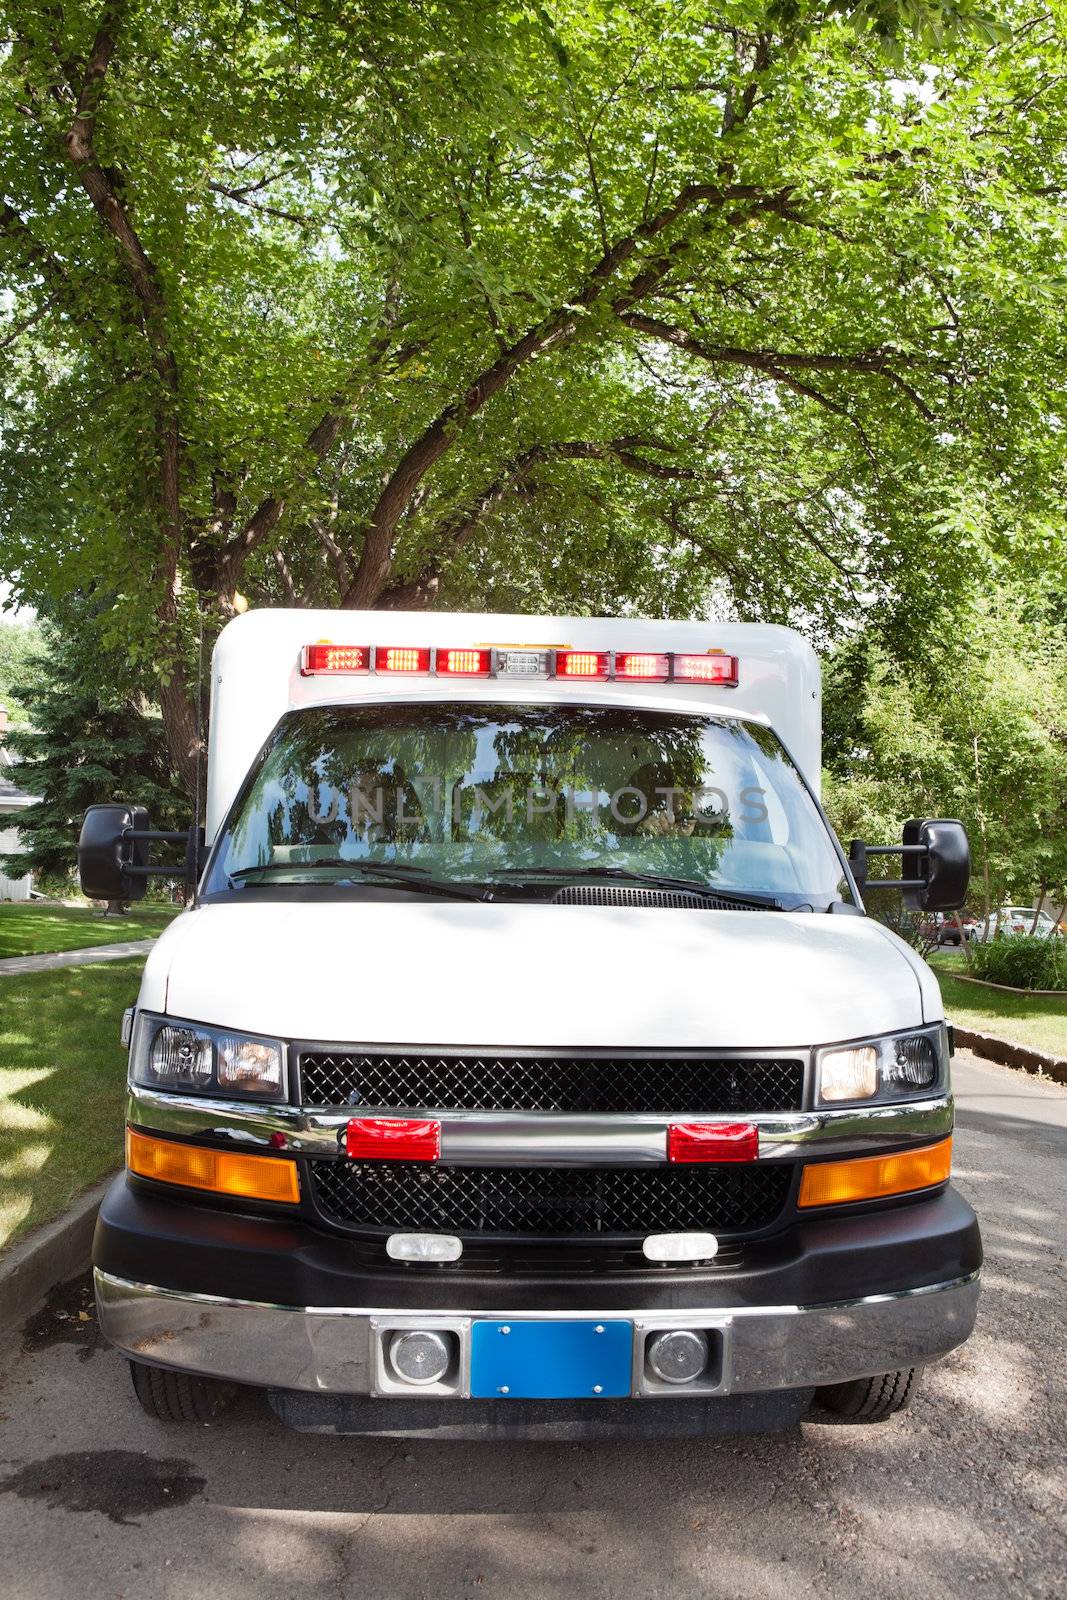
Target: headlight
{"x":189,"y":1057}
{"x":899,"y":1066}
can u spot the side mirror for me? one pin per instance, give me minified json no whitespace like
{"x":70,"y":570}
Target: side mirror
{"x":937,"y":851}
{"x":113,"y":853}
{"x":106,"y":853}
{"x":947,"y":864}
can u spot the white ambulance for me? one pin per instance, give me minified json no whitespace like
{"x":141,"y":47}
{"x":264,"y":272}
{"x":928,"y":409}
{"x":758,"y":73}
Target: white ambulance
{"x":526,"y":1063}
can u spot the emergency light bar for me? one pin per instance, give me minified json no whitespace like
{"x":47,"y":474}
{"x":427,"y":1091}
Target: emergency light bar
{"x":589,"y":666}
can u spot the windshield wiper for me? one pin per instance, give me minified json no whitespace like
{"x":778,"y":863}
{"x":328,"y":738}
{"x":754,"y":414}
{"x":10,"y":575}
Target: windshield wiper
{"x":658,"y":880}
{"x":401,"y":873}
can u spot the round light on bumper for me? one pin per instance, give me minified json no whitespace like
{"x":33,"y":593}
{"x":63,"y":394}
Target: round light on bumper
{"x":678,"y":1355}
{"x":419,"y":1356}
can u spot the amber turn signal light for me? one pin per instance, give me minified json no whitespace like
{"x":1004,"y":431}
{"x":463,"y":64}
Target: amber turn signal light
{"x":217,"y":1171}
{"x":834,"y":1183}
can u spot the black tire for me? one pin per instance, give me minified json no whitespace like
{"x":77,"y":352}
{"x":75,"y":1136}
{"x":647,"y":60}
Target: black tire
{"x":179,"y":1396}
{"x":870,"y":1399}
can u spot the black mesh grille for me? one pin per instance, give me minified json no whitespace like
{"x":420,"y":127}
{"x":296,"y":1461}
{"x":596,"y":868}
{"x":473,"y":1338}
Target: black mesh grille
{"x":550,"y":1200}
{"x":671,"y":1085}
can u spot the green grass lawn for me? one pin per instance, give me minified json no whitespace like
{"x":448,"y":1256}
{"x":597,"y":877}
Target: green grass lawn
{"x":29,"y":928}
{"x":62,"y":1077}
{"x":1035,"y":1020}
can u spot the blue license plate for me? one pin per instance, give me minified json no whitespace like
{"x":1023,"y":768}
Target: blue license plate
{"x":551,"y":1360}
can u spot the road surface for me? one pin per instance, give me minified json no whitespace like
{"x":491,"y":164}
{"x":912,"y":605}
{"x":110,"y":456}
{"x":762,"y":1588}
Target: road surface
{"x":963,"y":1495}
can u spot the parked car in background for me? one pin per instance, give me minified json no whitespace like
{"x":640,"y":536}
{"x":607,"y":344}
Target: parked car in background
{"x":1010,"y":921}
{"x":943,"y":928}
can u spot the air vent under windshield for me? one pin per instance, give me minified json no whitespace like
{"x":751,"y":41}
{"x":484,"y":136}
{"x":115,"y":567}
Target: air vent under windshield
{"x":603,"y":894}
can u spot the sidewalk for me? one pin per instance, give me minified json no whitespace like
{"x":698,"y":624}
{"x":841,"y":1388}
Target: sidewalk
{"x":75,"y":958}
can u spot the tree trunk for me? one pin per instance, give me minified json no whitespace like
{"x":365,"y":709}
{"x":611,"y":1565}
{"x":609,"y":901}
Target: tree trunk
{"x":180,"y":726}
{"x":1039,"y":907}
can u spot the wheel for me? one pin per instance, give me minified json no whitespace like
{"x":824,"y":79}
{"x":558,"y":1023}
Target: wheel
{"x":870,"y":1399}
{"x":179,"y":1396}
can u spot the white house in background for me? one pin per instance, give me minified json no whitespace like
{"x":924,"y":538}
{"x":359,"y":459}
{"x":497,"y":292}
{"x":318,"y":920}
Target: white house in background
{"x":13,"y":800}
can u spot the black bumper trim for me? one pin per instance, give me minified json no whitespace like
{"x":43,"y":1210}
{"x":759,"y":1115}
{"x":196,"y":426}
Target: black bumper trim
{"x":195,"y":1249}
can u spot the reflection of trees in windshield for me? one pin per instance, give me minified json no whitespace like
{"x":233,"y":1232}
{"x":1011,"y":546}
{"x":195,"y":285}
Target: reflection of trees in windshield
{"x":469,"y":789}
{"x":594,"y":777}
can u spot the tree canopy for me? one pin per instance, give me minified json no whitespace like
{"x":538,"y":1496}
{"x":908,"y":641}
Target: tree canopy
{"x":978,"y":732}
{"x":753,"y":308}
{"x":92,"y":738}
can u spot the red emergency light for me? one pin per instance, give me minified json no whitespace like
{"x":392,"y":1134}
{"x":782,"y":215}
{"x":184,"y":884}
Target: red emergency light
{"x":712,"y":1141}
{"x":464,"y":663}
{"x":581,"y":663}
{"x":714,"y":668}
{"x":476,"y":661}
{"x":392,"y":1139}
{"x":401,"y":658}
{"x":642,"y":666}
{"x":335,"y":658}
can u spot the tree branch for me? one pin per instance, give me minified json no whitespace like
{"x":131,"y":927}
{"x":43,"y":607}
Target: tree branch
{"x":455,"y":530}
{"x":241,"y":198}
{"x":555,"y":330}
{"x":782,"y":365}
{"x":320,"y":441}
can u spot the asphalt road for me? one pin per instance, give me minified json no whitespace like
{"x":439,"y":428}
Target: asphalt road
{"x":963,"y":1495}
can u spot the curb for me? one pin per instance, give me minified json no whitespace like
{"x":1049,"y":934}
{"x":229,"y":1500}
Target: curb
{"x":1007,"y":988}
{"x":1012,"y":1055}
{"x":53,"y":1253}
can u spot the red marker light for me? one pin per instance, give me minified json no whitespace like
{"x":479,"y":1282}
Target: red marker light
{"x":640,"y":665}
{"x":401,"y":658}
{"x":706,"y":669}
{"x":465,"y":663}
{"x":581,"y":663}
{"x":392,"y":1139}
{"x":334,"y":658}
{"x":712,"y":1141}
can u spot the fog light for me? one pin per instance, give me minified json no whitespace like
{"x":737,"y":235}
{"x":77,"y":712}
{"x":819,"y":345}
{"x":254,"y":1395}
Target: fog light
{"x":677,"y":1356}
{"x":423,"y":1247}
{"x":419,"y":1356}
{"x":680,"y":1247}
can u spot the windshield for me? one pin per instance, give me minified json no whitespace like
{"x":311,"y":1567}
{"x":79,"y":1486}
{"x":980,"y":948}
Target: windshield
{"x":517,"y":795}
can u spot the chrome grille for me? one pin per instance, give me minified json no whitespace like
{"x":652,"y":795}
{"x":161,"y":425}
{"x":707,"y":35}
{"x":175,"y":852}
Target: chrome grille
{"x":624,"y":1084}
{"x":620,"y":1201}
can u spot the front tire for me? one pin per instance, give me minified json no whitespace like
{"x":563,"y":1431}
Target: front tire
{"x":870,"y":1399}
{"x":179,"y":1396}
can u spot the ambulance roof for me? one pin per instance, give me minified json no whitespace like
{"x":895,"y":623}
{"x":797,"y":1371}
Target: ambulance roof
{"x":256,"y":674}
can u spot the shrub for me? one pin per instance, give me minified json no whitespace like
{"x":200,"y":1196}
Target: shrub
{"x":1023,"y":962}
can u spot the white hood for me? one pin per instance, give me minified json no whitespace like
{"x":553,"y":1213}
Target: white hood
{"x":448,"y":973}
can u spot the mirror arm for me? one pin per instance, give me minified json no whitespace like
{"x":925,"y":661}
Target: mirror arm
{"x":189,"y":869}
{"x":152,"y":833}
{"x":859,"y":852}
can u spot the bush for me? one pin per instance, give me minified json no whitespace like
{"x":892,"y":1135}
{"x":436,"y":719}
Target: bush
{"x":1022,"y":962}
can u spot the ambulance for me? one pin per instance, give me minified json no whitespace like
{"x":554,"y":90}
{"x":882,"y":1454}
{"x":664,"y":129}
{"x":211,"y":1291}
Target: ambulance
{"x":526,"y":1063}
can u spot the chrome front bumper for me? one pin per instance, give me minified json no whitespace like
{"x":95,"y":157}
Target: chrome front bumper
{"x":340,"y":1351}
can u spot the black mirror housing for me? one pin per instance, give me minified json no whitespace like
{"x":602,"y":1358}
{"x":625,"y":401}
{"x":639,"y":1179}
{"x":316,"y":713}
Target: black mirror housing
{"x":948,"y":863}
{"x":105,"y":853}
{"x":937,"y":857}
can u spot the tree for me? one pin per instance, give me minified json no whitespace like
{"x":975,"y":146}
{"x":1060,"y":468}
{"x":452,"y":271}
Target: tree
{"x":93,"y":739}
{"x":17,"y":643}
{"x":665,"y":305}
{"x":980,"y":733}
